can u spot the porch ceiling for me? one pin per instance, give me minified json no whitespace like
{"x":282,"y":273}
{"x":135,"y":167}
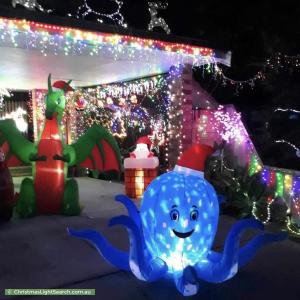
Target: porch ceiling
{"x":27,"y":69}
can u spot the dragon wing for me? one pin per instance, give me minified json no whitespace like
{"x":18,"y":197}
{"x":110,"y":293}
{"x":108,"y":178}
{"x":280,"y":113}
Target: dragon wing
{"x":95,"y":150}
{"x":16,"y":147}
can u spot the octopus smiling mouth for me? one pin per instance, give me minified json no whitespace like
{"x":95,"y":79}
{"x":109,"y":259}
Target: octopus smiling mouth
{"x":183,"y":235}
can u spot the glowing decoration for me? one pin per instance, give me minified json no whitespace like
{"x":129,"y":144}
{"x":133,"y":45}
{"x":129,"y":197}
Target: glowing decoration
{"x":80,"y":104}
{"x":3,"y":93}
{"x":157,"y":21}
{"x":109,"y":101}
{"x":30,"y":4}
{"x":49,"y":192}
{"x":295,"y":208}
{"x":229,"y":125}
{"x":119,"y":107}
{"x":142,"y":151}
{"x":288,"y":183}
{"x":18,"y":118}
{"x":289,"y":144}
{"x":57,"y":39}
{"x":254,"y":165}
{"x":287,"y":110}
{"x":270,"y":202}
{"x":174,"y":103}
{"x":272,"y":179}
{"x":173,"y":234}
{"x":140,"y":168}
{"x":122,"y":101}
{"x":84,"y":10}
{"x":276,"y":62}
{"x":279,"y":185}
{"x":133,"y":99}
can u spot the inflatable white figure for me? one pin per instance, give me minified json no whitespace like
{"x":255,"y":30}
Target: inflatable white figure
{"x":141,"y":150}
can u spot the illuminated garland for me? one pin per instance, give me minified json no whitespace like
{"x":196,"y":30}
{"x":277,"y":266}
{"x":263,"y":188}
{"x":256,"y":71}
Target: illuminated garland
{"x":286,"y":186}
{"x":287,"y":109}
{"x":229,"y":126}
{"x":18,"y":118}
{"x":174,"y":102}
{"x":289,"y":144}
{"x":84,"y":10}
{"x":119,"y":106}
{"x":3,"y":93}
{"x":30,"y":5}
{"x":155,"y":20}
{"x":276,"y":62}
{"x":70,"y":41}
{"x":267,"y":220}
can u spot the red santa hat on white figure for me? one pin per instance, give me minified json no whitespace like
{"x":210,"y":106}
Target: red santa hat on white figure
{"x":144,"y":140}
{"x":192,"y":161}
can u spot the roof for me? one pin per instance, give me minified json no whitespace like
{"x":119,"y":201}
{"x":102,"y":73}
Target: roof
{"x":34,"y":44}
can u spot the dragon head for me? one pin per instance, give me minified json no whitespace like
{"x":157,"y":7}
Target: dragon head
{"x":55,"y":99}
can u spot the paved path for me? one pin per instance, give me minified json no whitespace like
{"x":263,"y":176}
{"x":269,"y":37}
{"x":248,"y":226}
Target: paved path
{"x":38,"y":253}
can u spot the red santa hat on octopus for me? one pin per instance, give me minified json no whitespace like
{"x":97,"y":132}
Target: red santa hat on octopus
{"x":192,"y":161}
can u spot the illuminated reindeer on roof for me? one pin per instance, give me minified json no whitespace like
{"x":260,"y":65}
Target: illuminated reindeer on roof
{"x":30,"y":4}
{"x":155,"y":21}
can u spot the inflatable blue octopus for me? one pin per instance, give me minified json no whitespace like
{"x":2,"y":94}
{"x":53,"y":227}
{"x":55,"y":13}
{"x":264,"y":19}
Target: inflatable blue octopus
{"x":173,"y":233}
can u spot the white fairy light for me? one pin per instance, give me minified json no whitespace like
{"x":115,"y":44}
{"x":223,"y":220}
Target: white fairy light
{"x":85,"y":10}
{"x":157,"y":21}
{"x":291,"y":145}
{"x":268,"y":212}
{"x":17,"y":116}
{"x":3,"y":93}
{"x":287,"y":109}
{"x":30,"y":5}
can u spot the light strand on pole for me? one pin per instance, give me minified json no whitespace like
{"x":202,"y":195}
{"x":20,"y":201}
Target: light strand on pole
{"x":287,"y":110}
{"x":267,"y":220}
{"x":289,"y":144}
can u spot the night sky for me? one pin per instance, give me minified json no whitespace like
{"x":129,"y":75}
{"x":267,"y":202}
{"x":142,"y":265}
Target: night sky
{"x":253,"y":31}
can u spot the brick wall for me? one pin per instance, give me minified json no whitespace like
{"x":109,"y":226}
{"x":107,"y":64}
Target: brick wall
{"x":137,"y":180}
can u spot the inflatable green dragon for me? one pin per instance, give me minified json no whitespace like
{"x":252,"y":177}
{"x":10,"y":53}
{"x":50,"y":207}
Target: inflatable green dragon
{"x":50,"y":192}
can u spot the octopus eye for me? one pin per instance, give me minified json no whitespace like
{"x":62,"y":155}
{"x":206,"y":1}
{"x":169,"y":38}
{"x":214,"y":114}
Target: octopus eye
{"x":194,"y":215}
{"x":174,"y":214}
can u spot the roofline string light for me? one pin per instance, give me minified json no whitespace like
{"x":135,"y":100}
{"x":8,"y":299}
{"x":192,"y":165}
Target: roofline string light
{"x":53,"y":39}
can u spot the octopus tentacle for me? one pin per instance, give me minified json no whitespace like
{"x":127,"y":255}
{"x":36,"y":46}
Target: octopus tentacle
{"x":114,"y":256}
{"x":142,"y":265}
{"x":248,"y":251}
{"x":131,"y":208}
{"x":186,"y":282}
{"x":227,"y":266}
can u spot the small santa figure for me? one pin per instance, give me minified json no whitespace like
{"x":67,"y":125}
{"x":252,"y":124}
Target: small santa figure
{"x":142,"y":149}
{"x":6,"y":190}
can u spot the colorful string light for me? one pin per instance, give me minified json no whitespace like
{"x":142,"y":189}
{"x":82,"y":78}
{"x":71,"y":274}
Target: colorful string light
{"x":70,"y":41}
